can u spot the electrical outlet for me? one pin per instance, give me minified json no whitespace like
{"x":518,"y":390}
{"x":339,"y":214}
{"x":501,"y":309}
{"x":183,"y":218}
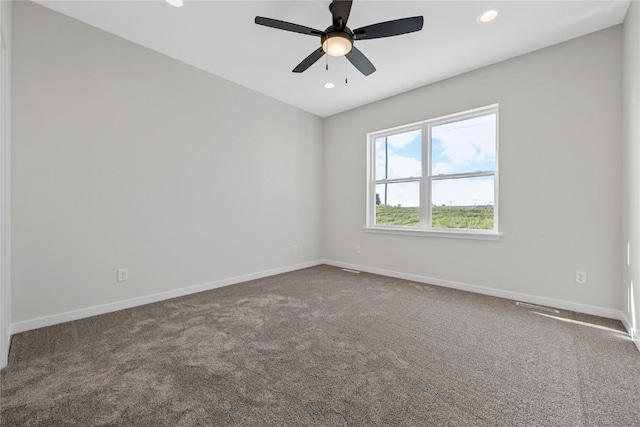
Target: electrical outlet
{"x":358,"y":249}
{"x":295,"y":249}
{"x":581,"y":277}
{"x":123,"y":274}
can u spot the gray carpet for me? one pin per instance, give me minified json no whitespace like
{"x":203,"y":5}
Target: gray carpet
{"x":325,"y":347}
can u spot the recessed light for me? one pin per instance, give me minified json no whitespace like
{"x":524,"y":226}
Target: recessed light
{"x":488,"y":15}
{"x":329,"y":85}
{"x":175,"y":3}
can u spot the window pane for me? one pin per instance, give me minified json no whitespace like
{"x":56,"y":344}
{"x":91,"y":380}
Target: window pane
{"x":464,"y":146}
{"x":463,"y":203}
{"x":398,"y":204}
{"x":399,"y":156}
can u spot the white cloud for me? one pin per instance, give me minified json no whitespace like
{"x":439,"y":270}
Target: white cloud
{"x":466,"y":143}
{"x":401,"y":140}
{"x":463,"y":192}
{"x":399,"y":166}
{"x":442,"y":168}
{"x":404,"y":167}
{"x":403,"y":194}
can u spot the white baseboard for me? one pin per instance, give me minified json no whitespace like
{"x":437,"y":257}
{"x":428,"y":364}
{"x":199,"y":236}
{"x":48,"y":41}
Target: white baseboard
{"x":532,"y":299}
{"x":628,"y":326}
{"x":41,"y":322}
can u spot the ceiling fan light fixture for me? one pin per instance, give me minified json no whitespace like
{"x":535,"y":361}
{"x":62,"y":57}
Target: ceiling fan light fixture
{"x":175,"y":3}
{"x":337,"y":44}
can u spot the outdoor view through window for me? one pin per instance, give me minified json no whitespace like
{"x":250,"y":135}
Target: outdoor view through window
{"x":448,"y":165}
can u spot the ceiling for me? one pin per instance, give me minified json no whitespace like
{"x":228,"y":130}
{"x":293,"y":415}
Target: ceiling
{"x":221,"y":37}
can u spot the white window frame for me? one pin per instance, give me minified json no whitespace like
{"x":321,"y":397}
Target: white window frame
{"x":426,"y":180}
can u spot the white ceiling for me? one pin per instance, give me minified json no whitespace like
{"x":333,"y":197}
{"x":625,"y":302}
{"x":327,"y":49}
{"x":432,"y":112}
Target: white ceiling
{"x":221,"y":37}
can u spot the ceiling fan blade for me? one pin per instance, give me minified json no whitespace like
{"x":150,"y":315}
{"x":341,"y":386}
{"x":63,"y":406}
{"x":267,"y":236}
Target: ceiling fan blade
{"x":389,"y":28}
{"x":309,"y":60}
{"x":360,"y":61}
{"x":287,"y":26}
{"x":340,"y":10}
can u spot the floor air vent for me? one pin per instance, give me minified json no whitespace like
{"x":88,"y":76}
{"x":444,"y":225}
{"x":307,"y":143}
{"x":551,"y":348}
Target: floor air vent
{"x":538,"y":307}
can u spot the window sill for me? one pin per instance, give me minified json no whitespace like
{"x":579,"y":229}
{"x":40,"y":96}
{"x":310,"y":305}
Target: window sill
{"x":447,"y":234}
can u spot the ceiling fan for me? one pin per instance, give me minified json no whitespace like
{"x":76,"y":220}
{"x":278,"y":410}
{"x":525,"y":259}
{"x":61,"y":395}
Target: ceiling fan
{"x":338,"y":39}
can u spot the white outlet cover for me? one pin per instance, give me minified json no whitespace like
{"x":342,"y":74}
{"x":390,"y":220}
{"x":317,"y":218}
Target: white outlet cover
{"x":581,"y":277}
{"x":123,"y":275}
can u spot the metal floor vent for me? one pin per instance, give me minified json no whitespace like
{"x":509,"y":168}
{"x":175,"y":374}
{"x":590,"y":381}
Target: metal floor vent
{"x":538,"y":307}
{"x":351,"y":271}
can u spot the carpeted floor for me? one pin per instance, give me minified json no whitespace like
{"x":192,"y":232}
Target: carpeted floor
{"x":325,"y":347}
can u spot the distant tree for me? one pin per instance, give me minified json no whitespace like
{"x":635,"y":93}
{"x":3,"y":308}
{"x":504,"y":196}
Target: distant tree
{"x":378,"y":199}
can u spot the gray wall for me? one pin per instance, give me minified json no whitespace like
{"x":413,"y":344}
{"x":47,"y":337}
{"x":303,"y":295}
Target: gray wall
{"x":560,"y":158}
{"x":631,"y":169}
{"x":126,"y":158}
{"x":5,"y":187}
{"x":123,"y":157}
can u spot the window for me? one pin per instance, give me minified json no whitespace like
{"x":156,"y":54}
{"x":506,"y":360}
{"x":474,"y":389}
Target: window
{"x":438,"y":177}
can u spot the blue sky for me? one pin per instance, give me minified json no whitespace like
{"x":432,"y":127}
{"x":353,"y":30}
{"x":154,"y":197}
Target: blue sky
{"x":458,"y":147}
{"x":404,"y":155}
{"x":465,"y":146}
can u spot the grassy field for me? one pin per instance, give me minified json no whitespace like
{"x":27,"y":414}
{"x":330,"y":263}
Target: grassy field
{"x":475,"y":217}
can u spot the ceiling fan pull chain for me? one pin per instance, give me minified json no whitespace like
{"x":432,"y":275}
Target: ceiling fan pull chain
{"x":346,"y":71}
{"x":326,"y":67}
